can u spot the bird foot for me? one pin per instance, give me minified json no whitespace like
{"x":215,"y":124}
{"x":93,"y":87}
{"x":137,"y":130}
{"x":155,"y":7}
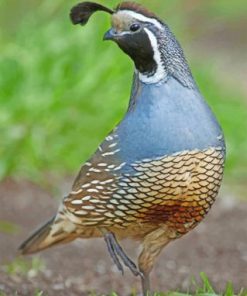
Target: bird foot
{"x":117,"y":253}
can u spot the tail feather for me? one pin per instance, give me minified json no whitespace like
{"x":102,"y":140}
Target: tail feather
{"x":49,"y":234}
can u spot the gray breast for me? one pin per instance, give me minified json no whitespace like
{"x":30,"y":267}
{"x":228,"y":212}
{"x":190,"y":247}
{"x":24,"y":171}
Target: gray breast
{"x":166,"y":119}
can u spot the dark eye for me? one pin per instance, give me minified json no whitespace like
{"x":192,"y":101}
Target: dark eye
{"x":134,"y":27}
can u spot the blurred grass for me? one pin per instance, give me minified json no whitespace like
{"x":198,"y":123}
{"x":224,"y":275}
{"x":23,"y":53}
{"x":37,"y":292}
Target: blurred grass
{"x":8,"y":227}
{"x":24,"y":269}
{"x":62,"y":89}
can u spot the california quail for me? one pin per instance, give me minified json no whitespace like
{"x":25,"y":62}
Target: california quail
{"x":156,"y":175}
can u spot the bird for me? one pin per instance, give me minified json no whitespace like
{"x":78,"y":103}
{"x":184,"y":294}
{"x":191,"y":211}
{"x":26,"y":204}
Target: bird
{"x":157,"y":173}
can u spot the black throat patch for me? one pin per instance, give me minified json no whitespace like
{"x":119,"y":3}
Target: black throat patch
{"x":139,"y":48}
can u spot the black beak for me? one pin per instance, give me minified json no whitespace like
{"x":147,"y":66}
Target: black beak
{"x":110,"y":35}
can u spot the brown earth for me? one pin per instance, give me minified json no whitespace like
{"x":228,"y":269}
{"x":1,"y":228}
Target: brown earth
{"x":218,"y":247}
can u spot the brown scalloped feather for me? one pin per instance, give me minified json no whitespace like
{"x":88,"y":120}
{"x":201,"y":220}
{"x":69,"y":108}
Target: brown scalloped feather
{"x":81,"y":13}
{"x":136,"y":7}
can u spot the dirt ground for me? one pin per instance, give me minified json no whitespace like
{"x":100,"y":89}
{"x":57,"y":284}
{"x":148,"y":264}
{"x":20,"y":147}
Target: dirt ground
{"x":218,"y":247}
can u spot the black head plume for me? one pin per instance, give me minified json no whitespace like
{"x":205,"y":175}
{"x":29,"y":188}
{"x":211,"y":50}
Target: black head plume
{"x":81,"y":13}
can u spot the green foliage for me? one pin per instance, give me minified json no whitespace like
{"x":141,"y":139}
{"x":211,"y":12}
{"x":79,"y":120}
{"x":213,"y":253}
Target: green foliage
{"x":203,"y":289}
{"x":231,"y":110}
{"x":206,"y":288}
{"x":8,"y":227}
{"x":62,"y":89}
{"x":58,"y":102}
{"x":25,"y":267}
{"x":39,"y":293}
{"x":226,"y":9}
{"x":36,"y":293}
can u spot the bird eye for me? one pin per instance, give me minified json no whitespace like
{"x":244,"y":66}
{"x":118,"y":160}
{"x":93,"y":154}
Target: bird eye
{"x":134,"y":27}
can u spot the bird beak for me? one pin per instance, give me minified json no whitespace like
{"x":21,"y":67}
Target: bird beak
{"x":110,"y":35}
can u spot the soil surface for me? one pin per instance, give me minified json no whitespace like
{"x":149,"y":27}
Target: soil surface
{"x":218,"y":247}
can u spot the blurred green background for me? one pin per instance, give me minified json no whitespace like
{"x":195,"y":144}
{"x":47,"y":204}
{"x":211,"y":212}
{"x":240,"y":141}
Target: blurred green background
{"x":62,"y":89}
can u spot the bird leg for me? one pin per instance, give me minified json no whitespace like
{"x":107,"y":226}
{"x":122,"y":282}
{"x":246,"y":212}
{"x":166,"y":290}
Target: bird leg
{"x":146,"y":284}
{"x":117,"y":253}
{"x":112,"y":253}
{"x":153,"y":244}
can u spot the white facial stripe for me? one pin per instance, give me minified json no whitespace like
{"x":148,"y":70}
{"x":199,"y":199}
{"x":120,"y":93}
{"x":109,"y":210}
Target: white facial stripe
{"x":142,"y":18}
{"x":160,"y":73}
{"x":123,"y":33}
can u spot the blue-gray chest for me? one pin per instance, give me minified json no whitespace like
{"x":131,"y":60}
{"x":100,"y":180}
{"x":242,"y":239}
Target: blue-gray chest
{"x":166,"y":119}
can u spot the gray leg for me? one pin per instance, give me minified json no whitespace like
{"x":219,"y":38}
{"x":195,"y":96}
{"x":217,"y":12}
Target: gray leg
{"x":146,"y":285}
{"x":117,"y":252}
{"x":153,"y":243}
{"x":113,"y":254}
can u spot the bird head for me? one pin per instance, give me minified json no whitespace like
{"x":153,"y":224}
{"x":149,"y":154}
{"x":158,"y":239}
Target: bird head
{"x":142,"y":36}
{"x":136,"y":32}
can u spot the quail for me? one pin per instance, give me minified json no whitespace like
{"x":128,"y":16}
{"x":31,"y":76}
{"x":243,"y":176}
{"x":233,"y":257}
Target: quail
{"x":157,"y":174}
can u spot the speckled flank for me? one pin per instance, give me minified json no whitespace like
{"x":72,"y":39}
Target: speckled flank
{"x":176,"y":190}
